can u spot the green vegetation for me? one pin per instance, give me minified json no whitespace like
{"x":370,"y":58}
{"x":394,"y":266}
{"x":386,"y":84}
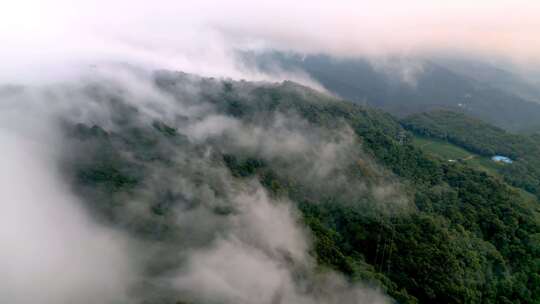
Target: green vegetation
{"x":460,"y":246}
{"x":434,"y":86}
{"x":486,"y":164}
{"x":452,"y":153}
{"x":485,"y":140}
{"x":464,"y":237}
{"x":442,"y":149}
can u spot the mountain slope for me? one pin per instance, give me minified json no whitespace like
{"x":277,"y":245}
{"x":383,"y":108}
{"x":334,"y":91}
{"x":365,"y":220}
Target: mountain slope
{"x":403,"y":87}
{"x":484,"y":139}
{"x":494,"y":76}
{"x":380,"y":211}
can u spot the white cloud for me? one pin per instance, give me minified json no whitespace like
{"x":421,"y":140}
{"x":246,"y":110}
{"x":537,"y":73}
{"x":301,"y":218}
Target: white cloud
{"x":43,"y":39}
{"x":50,"y":251}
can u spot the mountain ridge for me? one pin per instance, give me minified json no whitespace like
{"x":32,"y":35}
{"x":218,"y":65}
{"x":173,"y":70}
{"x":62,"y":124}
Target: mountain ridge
{"x":380,"y":210}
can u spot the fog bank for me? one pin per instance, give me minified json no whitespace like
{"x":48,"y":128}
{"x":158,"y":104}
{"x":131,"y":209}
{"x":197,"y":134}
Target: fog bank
{"x":44,"y":40}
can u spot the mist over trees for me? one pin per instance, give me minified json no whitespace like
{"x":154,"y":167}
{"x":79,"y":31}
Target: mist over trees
{"x":405,"y":85}
{"x":272,"y":152}
{"x":242,"y":192}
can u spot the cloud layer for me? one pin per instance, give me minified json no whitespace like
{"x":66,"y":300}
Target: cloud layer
{"x":51,"y":251}
{"x":57,"y":36}
{"x":208,"y":236}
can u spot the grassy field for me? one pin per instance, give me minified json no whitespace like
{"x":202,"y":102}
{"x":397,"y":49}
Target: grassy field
{"x":486,"y":164}
{"x":442,"y":149}
{"x":448,"y":151}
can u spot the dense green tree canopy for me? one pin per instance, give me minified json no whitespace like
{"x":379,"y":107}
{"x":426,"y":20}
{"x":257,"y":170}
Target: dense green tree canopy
{"x":452,"y":235}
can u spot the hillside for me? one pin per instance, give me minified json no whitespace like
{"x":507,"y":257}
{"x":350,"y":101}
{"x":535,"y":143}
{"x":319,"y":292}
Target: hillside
{"x":502,"y":77}
{"x":379,"y":210}
{"x":406,"y":86}
{"x":486,"y":140}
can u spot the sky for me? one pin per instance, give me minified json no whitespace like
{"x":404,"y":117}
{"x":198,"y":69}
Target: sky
{"x":45,"y":39}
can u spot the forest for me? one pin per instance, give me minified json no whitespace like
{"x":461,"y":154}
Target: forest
{"x":384,"y":213}
{"x":479,"y":137}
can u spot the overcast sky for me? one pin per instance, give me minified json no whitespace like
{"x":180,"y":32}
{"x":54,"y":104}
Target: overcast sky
{"x":199,"y":36}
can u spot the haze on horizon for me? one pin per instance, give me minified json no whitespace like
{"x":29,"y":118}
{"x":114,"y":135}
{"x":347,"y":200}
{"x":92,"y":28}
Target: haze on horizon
{"x":42,"y":39}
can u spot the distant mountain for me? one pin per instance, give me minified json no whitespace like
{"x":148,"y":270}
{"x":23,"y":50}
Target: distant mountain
{"x":403,"y":87}
{"x":498,"y":77}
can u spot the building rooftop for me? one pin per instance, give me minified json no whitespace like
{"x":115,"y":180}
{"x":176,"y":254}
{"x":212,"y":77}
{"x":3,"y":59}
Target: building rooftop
{"x":503,"y":159}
